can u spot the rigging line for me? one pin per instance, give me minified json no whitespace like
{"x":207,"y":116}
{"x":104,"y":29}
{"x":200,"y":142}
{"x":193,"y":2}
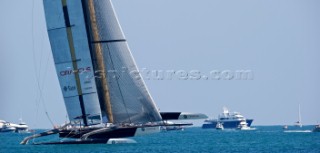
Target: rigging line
{"x":72,"y":130}
{"x":34,"y":64}
{"x":41,"y":55}
{"x":125,"y":106}
{"x":46,"y":66}
{"x":36,"y":70}
{"x":46,"y":71}
{"x":32,"y":34}
{"x":39,"y":73}
{"x":43,"y":103}
{"x":44,"y":77}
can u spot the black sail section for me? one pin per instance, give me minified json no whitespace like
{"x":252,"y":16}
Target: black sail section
{"x":127,"y":99}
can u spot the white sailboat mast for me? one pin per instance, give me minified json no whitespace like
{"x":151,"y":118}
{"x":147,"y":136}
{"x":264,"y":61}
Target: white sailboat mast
{"x":300,"y":124}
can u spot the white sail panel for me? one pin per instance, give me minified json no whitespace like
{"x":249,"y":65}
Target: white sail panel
{"x":66,"y":76}
{"x":86,"y":75}
{"x":85,"y":67}
{"x":81,"y":46}
{"x":54,"y":14}
{"x":80,"y":39}
{"x":94,"y":112}
{"x":59,"y":45}
{"x":74,"y":109}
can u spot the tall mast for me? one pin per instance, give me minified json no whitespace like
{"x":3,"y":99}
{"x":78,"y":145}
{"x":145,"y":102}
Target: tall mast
{"x":74,"y":61}
{"x":97,"y":49}
{"x":300,"y":124}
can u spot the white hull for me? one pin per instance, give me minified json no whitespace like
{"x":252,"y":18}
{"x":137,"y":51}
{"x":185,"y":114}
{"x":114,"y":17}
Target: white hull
{"x":10,"y":127}
{"x":120,"y":141}
{"x":244,"y":126}
{"x":247,"y":129}
{"x":7,"y":129}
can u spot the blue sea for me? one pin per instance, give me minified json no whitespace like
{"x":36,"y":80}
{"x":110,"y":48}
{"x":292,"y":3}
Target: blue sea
{"x":264,"y":139}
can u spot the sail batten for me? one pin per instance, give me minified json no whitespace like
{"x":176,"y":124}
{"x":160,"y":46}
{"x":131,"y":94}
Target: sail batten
{"x":109,"y":41}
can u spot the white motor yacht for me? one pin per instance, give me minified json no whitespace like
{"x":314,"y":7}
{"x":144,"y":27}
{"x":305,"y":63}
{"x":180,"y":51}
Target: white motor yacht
{"x":12,"y":127}
{"x":230,"y":120}
{"x":6,"y":126}
{"x":22,"y":127}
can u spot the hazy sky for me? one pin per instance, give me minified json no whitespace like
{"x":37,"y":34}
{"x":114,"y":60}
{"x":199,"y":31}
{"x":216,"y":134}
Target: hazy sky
{"x":278,"y":40}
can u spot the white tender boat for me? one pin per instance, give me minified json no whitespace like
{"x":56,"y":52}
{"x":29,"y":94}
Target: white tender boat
{"x":316,"y":128}
{"x":244,"y":126}
{"x":219,"y":126}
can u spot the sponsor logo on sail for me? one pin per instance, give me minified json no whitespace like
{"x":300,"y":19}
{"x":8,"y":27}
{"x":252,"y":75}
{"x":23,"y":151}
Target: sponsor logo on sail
{"x":69,"y":88}
{"x":70,"y":72}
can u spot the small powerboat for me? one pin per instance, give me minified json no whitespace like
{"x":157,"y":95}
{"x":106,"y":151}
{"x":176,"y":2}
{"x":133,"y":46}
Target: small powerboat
{"x":316,"y":128}
{"x":285,"y":127}
{"x":219,"y":126}
{"x":244,"y":125}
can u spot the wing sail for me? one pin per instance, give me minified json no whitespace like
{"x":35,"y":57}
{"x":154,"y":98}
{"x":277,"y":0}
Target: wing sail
{"x":71,"y":52}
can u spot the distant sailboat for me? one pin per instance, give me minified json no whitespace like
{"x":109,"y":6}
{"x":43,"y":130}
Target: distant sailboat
{"x":299,"y":123}
{"x":103,"y":95}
